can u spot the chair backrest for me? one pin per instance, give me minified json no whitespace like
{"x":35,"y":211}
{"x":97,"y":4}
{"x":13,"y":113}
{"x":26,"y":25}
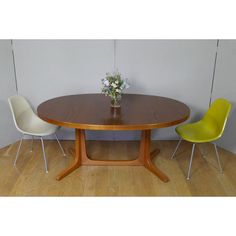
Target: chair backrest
{"x":218,"y":114}
{"x":21,"y":111}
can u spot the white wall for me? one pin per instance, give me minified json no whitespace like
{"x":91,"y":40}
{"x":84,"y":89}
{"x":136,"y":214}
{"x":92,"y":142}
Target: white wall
{"x":8,"y":133}
{"x":225,"y":86}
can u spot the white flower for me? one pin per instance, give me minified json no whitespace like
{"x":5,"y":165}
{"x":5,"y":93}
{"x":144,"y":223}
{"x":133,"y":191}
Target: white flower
{"x":114,"y":85}
{"x":106,"y":82}
{"x":118,"y":90}
{"x":116,"y":81}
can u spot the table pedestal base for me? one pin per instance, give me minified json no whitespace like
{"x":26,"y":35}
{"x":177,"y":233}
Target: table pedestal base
{"x":144,"y":158}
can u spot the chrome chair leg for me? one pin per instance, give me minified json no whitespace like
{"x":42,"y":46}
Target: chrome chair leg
{"x":32,"y":142}
{"x":173,"y":155}
{"x":18,"y":150}
{"x":190,"y":164}
{"x":218,"y":158}
{"x":60,"y":145}
{"x":44,"y":156}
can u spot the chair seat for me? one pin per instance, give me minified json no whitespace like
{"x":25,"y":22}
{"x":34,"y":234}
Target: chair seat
{"x":33,"y":125}
{"x":42,"y":130}
{"x":198,"y":132}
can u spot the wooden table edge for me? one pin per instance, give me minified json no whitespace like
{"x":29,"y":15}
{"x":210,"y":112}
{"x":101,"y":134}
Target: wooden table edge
{"x":114,"y":127}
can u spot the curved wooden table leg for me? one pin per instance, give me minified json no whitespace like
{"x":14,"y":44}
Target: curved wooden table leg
{"x":147,"y":156}
{"x":79,"y":151}
{"x":144,"y":156}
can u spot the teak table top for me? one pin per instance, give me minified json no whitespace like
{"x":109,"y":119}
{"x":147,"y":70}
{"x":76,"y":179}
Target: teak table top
{"x":93,"y":112}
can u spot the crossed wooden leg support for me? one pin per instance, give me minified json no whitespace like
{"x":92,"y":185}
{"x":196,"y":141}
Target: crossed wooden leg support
{"x":144,"y":158}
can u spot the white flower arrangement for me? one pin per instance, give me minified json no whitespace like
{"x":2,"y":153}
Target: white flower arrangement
{"x":113,"y":85}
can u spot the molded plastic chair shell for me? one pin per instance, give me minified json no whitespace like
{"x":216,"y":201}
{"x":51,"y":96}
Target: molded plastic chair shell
{"x":210,"y":127}
{"x":26,"y":121}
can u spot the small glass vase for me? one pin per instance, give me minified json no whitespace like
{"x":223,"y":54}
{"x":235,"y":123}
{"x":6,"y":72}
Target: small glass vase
{"x":115,"y":102}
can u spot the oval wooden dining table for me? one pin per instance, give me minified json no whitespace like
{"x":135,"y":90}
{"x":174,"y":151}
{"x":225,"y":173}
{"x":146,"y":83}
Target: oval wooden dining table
{"x":93,"y":112}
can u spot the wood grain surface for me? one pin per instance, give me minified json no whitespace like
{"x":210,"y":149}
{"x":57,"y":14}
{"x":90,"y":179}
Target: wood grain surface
{"x":28,"y":178}
{"x":93,"y":112}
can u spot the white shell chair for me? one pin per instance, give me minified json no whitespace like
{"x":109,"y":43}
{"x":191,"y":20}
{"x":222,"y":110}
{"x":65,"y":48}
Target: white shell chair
{"x":28,"y":123}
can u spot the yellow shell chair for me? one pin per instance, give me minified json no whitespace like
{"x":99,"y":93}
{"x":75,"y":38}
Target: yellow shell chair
{"x":208,"y":129}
